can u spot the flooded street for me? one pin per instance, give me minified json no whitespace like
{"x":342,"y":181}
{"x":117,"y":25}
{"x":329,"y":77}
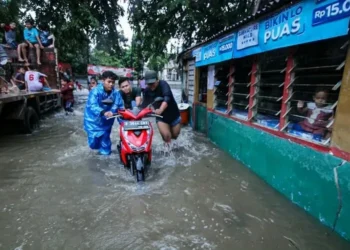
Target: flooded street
{"x":58,"y":194}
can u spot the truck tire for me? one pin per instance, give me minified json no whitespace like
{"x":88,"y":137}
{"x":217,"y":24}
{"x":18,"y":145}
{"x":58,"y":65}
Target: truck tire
{"x":31,"y":120}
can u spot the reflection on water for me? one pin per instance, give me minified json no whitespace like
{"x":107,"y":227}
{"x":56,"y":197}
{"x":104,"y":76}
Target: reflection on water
{"x":57,"y":194}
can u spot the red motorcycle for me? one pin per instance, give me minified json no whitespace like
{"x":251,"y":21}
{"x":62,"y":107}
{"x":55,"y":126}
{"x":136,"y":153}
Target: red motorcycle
{"x":136,"y":134}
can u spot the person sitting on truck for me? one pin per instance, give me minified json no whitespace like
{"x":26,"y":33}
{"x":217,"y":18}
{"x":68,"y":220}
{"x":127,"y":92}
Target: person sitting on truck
{"x":96,"y":125}
{"x":318,"y":115}
{"x":169,"y":126}
{"x":47,"y":39}
{"x":129,"y":93}
{"x":10,"y":35}
{"x":19,"y":78}
{"x":67,"y":95}
{"x":32,"y":39}
{"x":35,"y":81}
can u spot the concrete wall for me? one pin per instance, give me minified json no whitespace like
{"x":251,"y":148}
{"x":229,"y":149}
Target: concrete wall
{"x":303,"y":175}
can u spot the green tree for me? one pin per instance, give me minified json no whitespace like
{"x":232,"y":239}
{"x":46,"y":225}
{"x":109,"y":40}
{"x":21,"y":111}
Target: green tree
{"x":157,"y":21}
{"x":101,"y":57}
{"x":157,"y":62}
{"x":10,"y":12}
{"x":77,"y":24}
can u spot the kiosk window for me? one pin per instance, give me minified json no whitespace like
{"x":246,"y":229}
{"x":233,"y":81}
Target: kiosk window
{"x":269,"y":88}
{"x":241,"y":87}
{"x":221,"y":83}
{"x":314,"y":89}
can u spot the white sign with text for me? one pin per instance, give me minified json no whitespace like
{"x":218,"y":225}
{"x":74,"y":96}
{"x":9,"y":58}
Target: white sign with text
{"x":248,"y":37}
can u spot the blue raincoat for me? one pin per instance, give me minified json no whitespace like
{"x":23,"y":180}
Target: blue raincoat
{"x":97,"y":127}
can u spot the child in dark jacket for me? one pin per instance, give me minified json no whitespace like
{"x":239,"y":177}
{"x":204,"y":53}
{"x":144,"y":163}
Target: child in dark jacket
{"x":67,"y":95}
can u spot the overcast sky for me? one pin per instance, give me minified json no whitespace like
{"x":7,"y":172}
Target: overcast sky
{"x":124,"y":21}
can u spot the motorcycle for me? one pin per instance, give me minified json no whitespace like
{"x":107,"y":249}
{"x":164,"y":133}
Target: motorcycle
{"x":136,"y":135}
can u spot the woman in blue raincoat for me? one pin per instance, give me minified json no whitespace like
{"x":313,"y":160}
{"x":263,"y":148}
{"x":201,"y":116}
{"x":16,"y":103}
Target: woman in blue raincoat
{"x":96,"y":125}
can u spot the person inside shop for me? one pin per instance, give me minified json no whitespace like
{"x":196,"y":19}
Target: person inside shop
{"x":131,"y":95}
{"x":318,"y":116}
{"x":169,"y":126}
{"x":96,"y":125}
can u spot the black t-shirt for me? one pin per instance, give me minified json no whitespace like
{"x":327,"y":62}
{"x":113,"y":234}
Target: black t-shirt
{"x":171,"y":113}
{"x":128,"y":98}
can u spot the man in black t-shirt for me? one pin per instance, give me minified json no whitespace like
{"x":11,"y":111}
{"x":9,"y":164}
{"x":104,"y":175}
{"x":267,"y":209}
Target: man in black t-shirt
{"x":128,"y":93}
{"x":170,"y":125}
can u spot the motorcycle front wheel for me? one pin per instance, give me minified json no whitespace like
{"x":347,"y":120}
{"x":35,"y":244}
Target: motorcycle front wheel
{"x":140,"y":176}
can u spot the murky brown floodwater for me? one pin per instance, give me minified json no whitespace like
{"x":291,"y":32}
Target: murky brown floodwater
{"x":57,"y":194}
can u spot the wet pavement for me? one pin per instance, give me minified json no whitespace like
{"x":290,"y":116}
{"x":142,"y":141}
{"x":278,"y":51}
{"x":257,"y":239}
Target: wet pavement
{"x":55,"y":193}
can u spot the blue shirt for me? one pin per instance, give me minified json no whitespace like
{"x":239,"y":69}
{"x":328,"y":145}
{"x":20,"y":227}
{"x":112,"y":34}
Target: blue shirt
{"x":31,"y":34}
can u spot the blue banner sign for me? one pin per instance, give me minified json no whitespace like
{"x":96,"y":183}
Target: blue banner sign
{"x":304,"y":22}
{"x":330,"y":12}
{"x":218,"y":51}
{"x":197,"y":53}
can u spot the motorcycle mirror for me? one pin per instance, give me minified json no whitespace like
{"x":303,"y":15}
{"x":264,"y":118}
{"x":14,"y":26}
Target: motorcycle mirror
{"x":159,"y":99}
{"x":107,"y":101}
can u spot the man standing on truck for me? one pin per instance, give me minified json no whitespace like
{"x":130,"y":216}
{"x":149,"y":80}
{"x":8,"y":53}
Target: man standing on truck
{"x":96,"y":125}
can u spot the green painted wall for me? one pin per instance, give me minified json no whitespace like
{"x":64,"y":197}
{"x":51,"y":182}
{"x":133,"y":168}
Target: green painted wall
{"x":200,"y":117}
{"x":302,"y":174}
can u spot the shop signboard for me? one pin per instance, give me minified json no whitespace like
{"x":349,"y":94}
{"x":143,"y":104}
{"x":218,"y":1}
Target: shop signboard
{"x":218,"y":51}
{"x":304,"y":22}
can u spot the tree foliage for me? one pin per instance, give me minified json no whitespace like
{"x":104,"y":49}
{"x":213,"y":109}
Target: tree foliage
{"x":156,"y":21}
{"x":76,"y":25}
{"x":101,"y":57}
{"x":157,"y":62}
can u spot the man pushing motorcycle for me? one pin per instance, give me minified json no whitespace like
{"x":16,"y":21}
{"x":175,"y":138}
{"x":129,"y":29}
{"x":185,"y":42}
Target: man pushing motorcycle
{"x":170,"y":125}
{"x":96,"y":124}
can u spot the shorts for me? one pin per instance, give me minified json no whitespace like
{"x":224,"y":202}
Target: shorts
{"x":31,"y":43}
{"x":13,"y":45}
{"x":171,"y":124}
{"x":68,"y":105}
{"x":48,"y":43}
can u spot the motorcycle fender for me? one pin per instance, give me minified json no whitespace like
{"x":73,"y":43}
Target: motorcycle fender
{"x":139,"y":163}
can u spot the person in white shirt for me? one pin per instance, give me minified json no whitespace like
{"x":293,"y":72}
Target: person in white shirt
{"x":33,"y":80}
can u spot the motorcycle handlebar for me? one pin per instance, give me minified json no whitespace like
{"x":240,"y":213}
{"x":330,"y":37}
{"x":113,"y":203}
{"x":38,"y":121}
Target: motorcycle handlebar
{"x":114,"y":116}
{"x":150,"y":115}
{"x":155,"y":115}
